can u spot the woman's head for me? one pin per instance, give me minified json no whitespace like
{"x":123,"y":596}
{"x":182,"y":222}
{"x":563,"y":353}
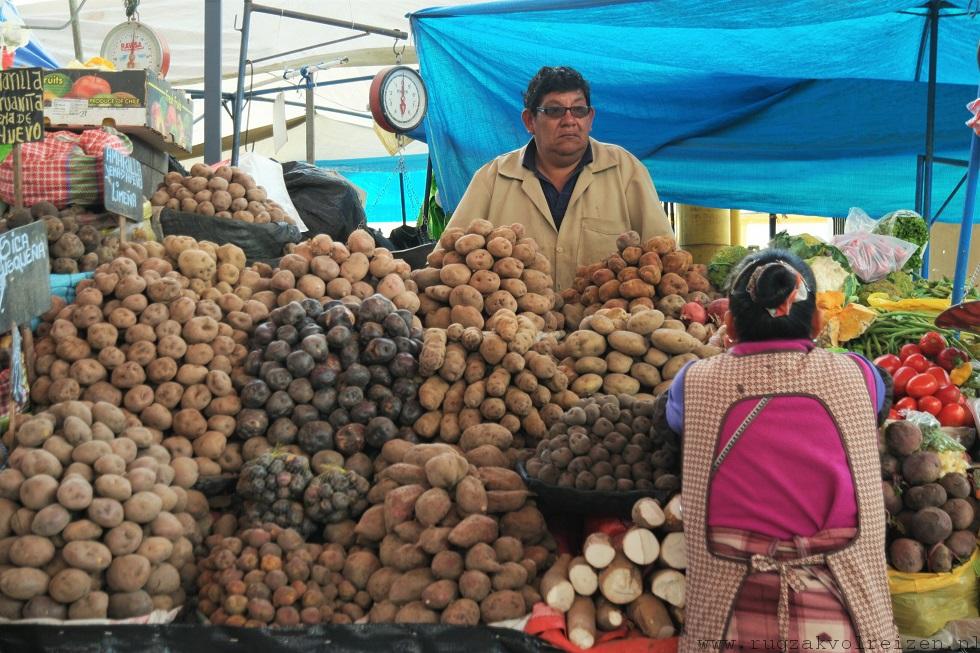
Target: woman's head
{"x":772,"y":296}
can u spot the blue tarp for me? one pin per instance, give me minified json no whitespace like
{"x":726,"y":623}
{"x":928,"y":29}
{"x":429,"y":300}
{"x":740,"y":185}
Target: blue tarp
{"x":378,"y":177}
{"x":797,"y":106}
{"x":31,"y":55}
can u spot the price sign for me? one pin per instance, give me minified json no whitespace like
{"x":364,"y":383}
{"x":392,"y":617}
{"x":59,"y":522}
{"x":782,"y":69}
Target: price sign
{"x":123,"y":185}
{"x":21,"y":105}
{"x":25,"y":284}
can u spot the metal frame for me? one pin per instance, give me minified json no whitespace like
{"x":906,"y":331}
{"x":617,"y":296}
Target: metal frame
{"x":212,"y":81}
{"x":248,"y":9}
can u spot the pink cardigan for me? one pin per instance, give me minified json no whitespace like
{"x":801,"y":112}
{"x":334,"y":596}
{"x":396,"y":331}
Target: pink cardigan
{"x":788,"y":474}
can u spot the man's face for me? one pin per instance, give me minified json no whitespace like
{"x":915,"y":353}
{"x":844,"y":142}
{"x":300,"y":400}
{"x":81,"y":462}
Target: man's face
{"x":562,"y":137}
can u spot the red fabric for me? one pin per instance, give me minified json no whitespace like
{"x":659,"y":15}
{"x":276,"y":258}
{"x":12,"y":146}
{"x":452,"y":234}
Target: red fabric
{"x":817,"y":617}
{"x":549,"y":624}
{"x":65,"y":168}
{"x":609,"y":525}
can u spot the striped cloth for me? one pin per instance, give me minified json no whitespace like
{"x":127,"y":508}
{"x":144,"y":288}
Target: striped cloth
{"x":817,"y":618}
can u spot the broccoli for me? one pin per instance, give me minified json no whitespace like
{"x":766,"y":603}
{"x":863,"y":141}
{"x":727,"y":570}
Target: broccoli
{"x":908,"y":226}
{"x":896,"y":285}
{"x":723,"y":262}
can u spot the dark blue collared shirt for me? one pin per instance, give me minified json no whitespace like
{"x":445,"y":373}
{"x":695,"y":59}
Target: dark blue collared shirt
{"x":557,"y":199}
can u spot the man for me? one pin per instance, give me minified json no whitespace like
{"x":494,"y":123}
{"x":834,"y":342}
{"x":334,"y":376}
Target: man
{"x":573,"y":194}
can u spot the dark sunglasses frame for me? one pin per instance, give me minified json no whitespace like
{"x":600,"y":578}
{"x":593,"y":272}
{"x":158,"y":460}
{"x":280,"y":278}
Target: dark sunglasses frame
{"x":553,"y":111}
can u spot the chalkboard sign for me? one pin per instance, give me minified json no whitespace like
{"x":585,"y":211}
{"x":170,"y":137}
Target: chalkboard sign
{"x":25,"y":285}
{"x":123,"y":184}
{"x":21,"y":105}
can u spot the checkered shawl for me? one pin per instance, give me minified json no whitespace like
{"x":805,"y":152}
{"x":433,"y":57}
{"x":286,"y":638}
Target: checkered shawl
{"x":711,"y":387}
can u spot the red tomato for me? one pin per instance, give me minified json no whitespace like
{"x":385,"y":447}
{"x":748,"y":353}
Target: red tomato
{"x":908,"y":350}
{"x":893,"y":414}
{"x":901,"y":378}
{"x":921,"y":385}
{"x":940,"y":374}
{"x":930,"y":404}
{"x":932,"y":343}
{"x":955,"y":415}
{"x":889,"y":363}
{"x":949,"y":394}
{"x":917,"y":362}
{"x":906,"y":403}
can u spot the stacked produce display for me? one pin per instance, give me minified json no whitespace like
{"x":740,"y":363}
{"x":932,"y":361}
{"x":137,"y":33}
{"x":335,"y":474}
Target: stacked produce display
{"x":226,"y":192}
{"x":379,"y":426}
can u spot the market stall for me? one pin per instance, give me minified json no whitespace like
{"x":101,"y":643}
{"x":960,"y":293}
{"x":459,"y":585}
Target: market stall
{"x":237,"y":434}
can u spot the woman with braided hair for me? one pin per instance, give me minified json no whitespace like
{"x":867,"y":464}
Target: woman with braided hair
{"x":783,"y":509}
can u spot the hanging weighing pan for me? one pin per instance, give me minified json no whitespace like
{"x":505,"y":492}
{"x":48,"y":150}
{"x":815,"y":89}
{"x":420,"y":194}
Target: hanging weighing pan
{"x":962,"y":317}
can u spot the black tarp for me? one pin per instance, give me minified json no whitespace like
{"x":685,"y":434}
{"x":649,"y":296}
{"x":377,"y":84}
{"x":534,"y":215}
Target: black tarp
{"x":188,"y":638}
{"x":260,"y":242}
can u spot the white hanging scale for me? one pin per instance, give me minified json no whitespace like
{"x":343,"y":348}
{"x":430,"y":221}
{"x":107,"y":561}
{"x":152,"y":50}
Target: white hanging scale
{"x":135,"y":46}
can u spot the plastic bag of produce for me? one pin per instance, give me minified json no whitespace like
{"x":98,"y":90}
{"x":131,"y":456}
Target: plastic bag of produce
{"x":924,"y":603}
{"x":872,"y":256}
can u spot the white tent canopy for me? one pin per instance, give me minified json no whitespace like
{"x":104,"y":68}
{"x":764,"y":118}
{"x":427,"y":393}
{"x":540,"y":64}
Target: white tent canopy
{"x":181,"y":23}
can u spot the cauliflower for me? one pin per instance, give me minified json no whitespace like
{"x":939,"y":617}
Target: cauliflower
{"x":832,"y":276}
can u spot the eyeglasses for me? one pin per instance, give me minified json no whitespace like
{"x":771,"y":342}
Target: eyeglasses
{"x":577,"y":111}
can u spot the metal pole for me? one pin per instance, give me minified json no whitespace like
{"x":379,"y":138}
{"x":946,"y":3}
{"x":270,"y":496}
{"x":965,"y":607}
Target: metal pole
{"x":401,"y":188}
{"x":212,"y":81}
{"x":310,"y":115}
{"x":772,"y":226}
{"x":930,"y":124}
{"x":76,"y":32}
{"x":966,"y":224}
{"x":323,"y":20}
{"x":236,"y":139}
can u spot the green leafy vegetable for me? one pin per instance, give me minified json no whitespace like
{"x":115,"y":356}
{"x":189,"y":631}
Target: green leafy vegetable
{"x":910,"y":227}
{"x":723,"y":262}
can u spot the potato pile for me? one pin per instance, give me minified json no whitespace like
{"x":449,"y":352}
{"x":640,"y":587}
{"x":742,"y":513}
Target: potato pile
{"x":503,"y":375}
{"x":226,"y":192}
{"x":456,"y":544}
{"x":482,"y":270}
{"x":934,"y":512}
{"x":157,"y":331}
{"x":99,"y":519}
{"x":341,"y":377}
{"x":323,"y":269}
{"x":654,"y":274}
{"x":608,"y":443}
{"x":72,"y":247}
{"x":620,"y":352}
{"x":268,"y":576}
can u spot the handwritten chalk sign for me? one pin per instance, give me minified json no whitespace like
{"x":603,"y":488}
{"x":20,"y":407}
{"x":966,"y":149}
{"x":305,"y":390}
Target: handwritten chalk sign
{"x":25,"y":285}
{"x":123,"y":184}
{"x":21,"y":105}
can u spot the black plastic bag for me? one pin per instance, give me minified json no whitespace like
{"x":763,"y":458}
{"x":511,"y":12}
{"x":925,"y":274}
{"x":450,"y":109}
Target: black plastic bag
{"x":181,"y":638}
{"x":326,"y":202}
{"x":260,"y":242}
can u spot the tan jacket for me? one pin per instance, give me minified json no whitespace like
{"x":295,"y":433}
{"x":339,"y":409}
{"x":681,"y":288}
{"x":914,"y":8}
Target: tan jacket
{"x":613,"y":194}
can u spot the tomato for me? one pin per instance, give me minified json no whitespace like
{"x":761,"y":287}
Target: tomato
{"x":917,"y":362}
{"x":921,"y":385}
{"x":908,"y":350}
{"x":930,"y":404}
{"x":906,"y":403}
{"x":901,"y":378}
{"x":889,"y":363}
{"x":893,"y":414}
{"x":955,"y":415}
{"x":931,"y":343}
{"x":949,"y":394}
{"x":939,"y":374}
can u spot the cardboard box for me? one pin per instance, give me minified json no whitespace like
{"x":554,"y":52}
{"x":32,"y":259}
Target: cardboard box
{"x":135,"y":102}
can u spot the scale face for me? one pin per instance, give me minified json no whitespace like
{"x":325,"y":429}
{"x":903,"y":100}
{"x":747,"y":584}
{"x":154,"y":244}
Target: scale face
{"x":398,"y":99}
{"x":135,"y":46}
